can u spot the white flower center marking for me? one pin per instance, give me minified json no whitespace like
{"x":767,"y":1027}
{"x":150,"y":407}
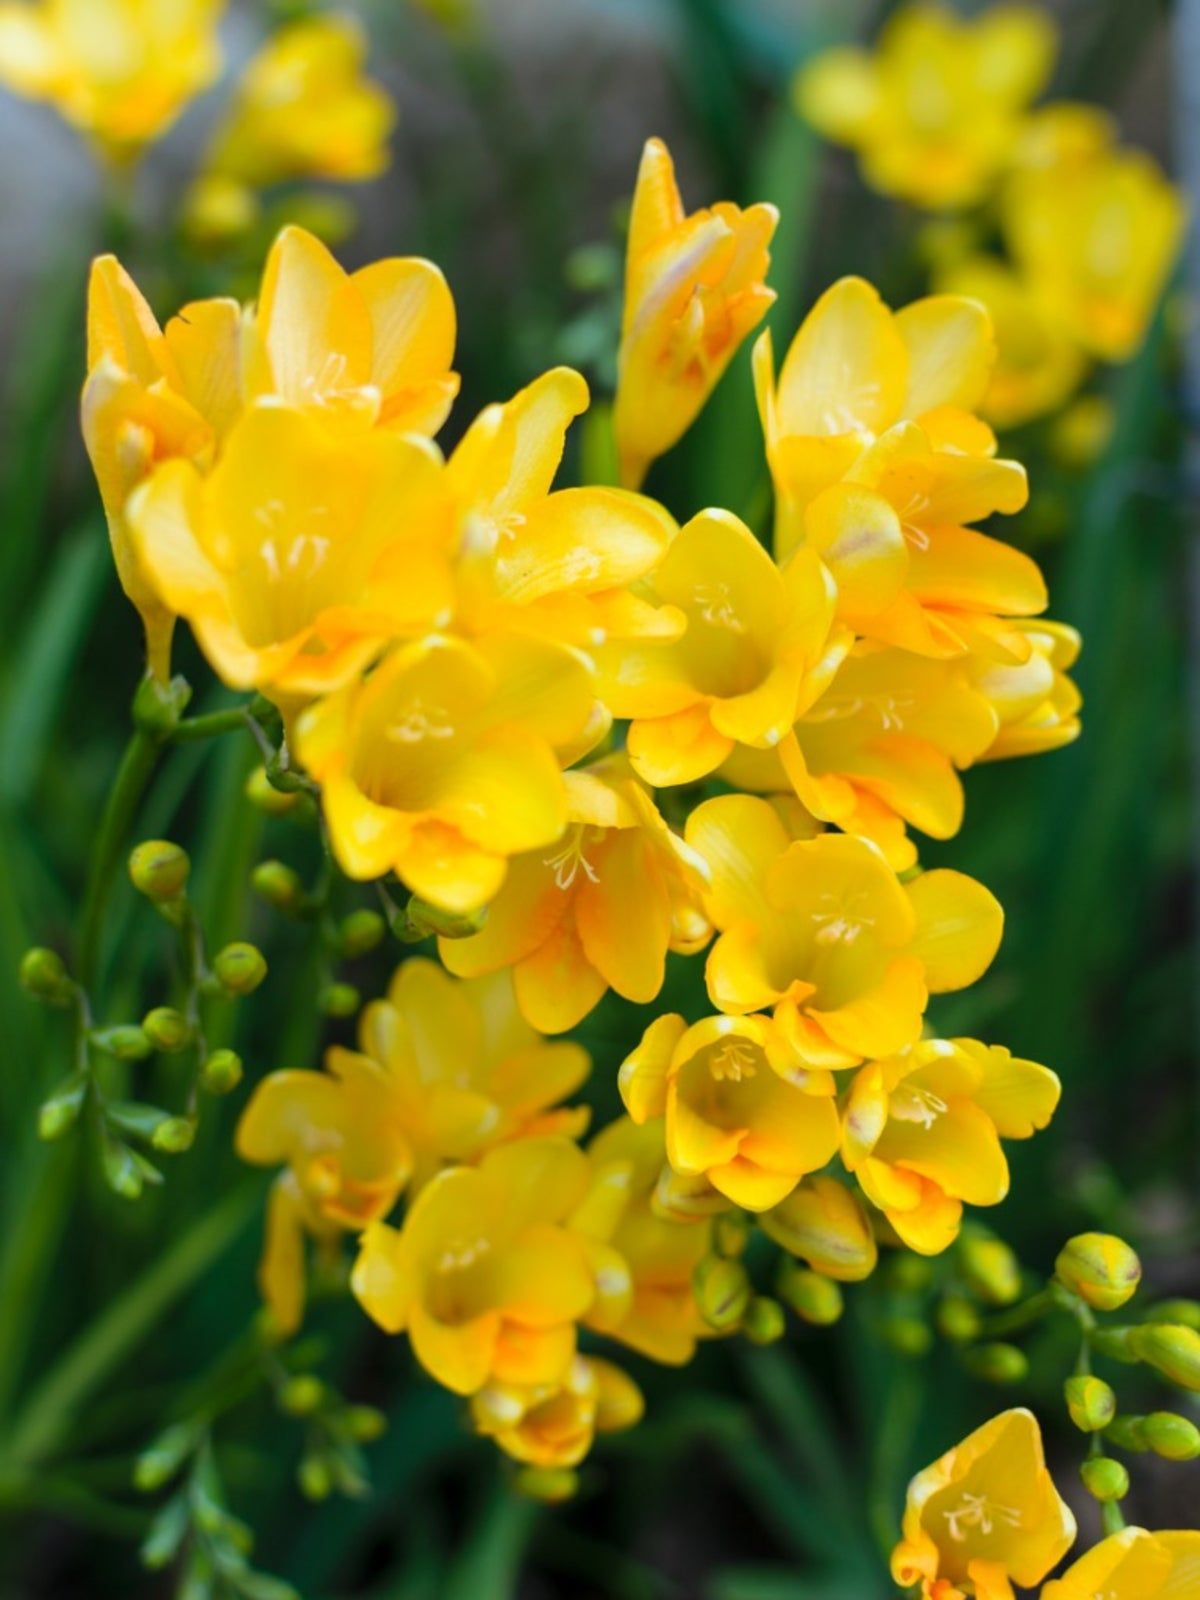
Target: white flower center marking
{"x":913,"y":1104}
{"x":715,"y":603}
{"x":418,"y":722}
{"x":977,"y":1511}
{"x":733,"y":1062}
{"x":889,"y":708}
{"x":841,"y":920}
{"x":458,"y":1257}
{"x":570,"y":860}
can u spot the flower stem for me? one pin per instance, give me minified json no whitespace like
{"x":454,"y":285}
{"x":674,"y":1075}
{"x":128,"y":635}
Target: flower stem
{"x":137,"y":766}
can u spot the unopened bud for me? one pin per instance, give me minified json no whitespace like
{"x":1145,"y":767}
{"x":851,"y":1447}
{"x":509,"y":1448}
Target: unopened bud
{"x":278,"y":885}
{"x":1100,"y":1268}
{"x":908,"y":1336}
{"x":43,"y":975}
{"x":1172,"y":1350}
{"x":59,"y":1114}
{"x":722,"y":1290}
{"x":730,"y":1234}
{"x":1128,"y":1433}
{"x":997,"y":1363}
{"x":824,"y":1223}
{"x":239,"y":968}
{"x":1172,"y":1436}
{"x":990,"y":1267}
{"x":364,"y":1423}
{"x":909,"y":1273}
{"x":126,"y":1043}
{"x":166,"y":1028}
{"x":1117,"y":1344}
{"x":361,"y":931}
{"x":423,"y":921}
{"x":958,"y":1319}
{"x":263,"y":794}
{"x":302,"y":1395}
{"x":339,"y":1000}
{"x":174,"y":1135}
{"x":814,"y":1298}
{"x":158,"y":706}
{"x":1090,"y":1401}
{"x":315,"y":1478}
{"x":159,"y":870}
{"x":222,"y":1072}
{"x":1184,"y":1312}
{"x":764,"y":1321}
{"x":160,"y":1461}
{"x":550,"y":1485}
{"x":1104,"y":1479}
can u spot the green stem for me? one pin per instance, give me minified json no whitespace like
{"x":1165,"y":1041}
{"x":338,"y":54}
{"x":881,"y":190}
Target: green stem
{"x":1022,"y":1316}
{"x":212,"y":724}
{"x":137,"y":766}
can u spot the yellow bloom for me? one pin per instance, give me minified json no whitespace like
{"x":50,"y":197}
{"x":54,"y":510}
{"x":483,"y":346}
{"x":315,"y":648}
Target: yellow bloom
{"x":741,"y":1111}
{"x":985,"y":1516}
{"x":292,"y":1217}
{"x":119,"y":70}
{"x":693,"y":290}
{"x":303,"y":109}
{"x":822,"y":930}
{"x":1134,"y":1565}
{"x":445,"y":761}
{"x":824,"y":1223}
{"x":296,"y":557}
{"x":553,"y":1425}
{"x":483,"y":1275}
{"x":1036,"y":703}
{"x":562,"y":919}
{"x":922,"y":1132}
{"x":879,"y":464}
{"x":934,"y":112}
{"x":759,"y":646}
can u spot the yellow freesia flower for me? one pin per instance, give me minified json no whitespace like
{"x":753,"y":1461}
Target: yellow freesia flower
{"x":693,"y":290}
{"x":825,"y":1223}
{"x":1134,"y":1565}
{"x":304,"y":109}
{"x":292,"y":1218}
{"x":120,"y":70}
{"x":760,"y":645}
{"x":934,"y":111}
{"x":483,"y":1275}
{"x":922,"y":1132}
{"x":880,"y":464}
{"x":444,"y":763}
{"x":296,"y":556}
{"x":1036,"y":703}
{"x":561,"y":920}
{"x":985,"y":1516}
{"x":822,"y":931}
{"x":553,"y":1425}
{"x":740,"y":1110}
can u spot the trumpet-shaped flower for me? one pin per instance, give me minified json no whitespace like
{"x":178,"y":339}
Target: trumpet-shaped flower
{"x":760,"y":645}
{"x":120,"y":70}
{"x":825,"y":1223}
{"x":484,"y":1276}
{"x":295,"y":558}
{"x":922,"y":1132}
{"x":823,"y":931}
{"x":1134,"y":1565}
{"x":933,"y":113}
{"x":562,"y":919}
{"x":292,"y":1218}
{"x":304,"y":109}
{"x":1036,"y":703}
{"x":444,"y":763}
{"x":554,"y":1425}
{"x":985,"y":1516}
{"x":880,"y":464}
{"x":693,"y":290}
{"x":741,"y":1111}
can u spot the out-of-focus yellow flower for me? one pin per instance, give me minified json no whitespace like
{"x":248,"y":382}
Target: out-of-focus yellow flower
{"x":985,"y":1516}
{"x":1083,"y":432}
{"x":151,"y":396}
{"x":881,"y":748}
{"x":367,"y":349}
{"x":299,"y":553}
{"x":822,"y":931}
{"x":483,"y":1275}
{"x":824,"y":1223}
{"x":934,"y":111}
{"x":922,"y":1132}
{"x":693,"y":290}
{"x":1062,"y":132}
{"x":1036,"y":702}
{"x":119,"y":70}
{"x":445,"y":761}
{"x":740,"y":1110}
{"x":303,"y":109}
{"x":554,"y":1425}
{"x":760,"y":645}
{"x":879,"y":464}
{"x":217,"y":211}
{"x":562,"y":919}
{"x":1096,"y":238}
{"x":292,"y":1217}
{"x":1134,"y":1565}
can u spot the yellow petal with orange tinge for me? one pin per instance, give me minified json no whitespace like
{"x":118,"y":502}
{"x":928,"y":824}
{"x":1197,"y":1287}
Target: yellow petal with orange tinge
{"x":281,"y":1270}
{"x":630,"y":952}
{"x":858,"y":536}
{"x":366,"y":838}
{"x":739,"y":837}
{"x":520,"y":920}
{"x":951,"y":353}
{"x":413,"y":330}
{"x":545,"y":1280}
{"x":960,"y":924}
{"x":533,"y":1356}
{"x":847,"y":368}
{"x":444,"y":867}
{"x":557,"y":985}
{"x":680,"y":748}
{"x":958,"y":566}
{"x":459,"y":1355}
{"x":382,"y":1279}
{"x":315,"y":329}
{"x":883,"y":1020}
{"x":508,"y":457}
{"x":642,"y":1079}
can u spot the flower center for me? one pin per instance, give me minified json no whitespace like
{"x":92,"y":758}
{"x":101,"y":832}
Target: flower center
{"x":417,"y":722}
{"x":913,"y":1104}
{"x":733,"y":1062}
{"x":571,"y":860}
{"x":977,"y":1511}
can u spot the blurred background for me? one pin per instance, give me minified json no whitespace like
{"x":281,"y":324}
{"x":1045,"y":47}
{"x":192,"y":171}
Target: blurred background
{"x":768,"y":1474}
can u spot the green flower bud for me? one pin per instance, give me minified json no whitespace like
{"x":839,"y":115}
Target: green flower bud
{"x":362,"y":931}
{"x":815,"y":1299}
{"x":730,"y":1234}
{"x":550,"y":1485}
{"x":824,"y":1223}
{"x":423,"y":921}
{"x":1104,"y":1479}
{"x":364,"y":1423}
{"x":278,"y":885}
{"x":158,"y":706}
{"x":1172,"y":1350}
{"x":908,"y":1336}
{"x":1171,"y":1436}
{"x":166,"y":1028}
{"x":174,"y":1135}
{"x":958,"y":1319}
{"x":222,"y":1072}
{"x":162,"y":1459}
{"x":43,"y":975}
{"x":908,"y":1273}
{"x":764,"y":1321}
{"x":122,"y":1171}
{"x":239,"y":968}
{"x":302,"y":1395}
{"x":126,"y":1043}
{"x":997,"y":1363}
{"x":1091,"y":1402}
{"x":159,"y":870}
{"x":990,"y":1267}
{"x":339,"y":1000}
{"x":1185,"y":1312}
{"x":1100,"y":1268}
{"x":315,"y":1478}
{"x":59,"y":1114}
{"x":1128,"y":1433}
{"x":263,"y":794}
{"x":722,"y":1290}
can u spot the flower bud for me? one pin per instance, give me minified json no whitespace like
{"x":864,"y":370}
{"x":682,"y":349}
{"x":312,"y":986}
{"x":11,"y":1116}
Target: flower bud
{"x":1104,"y":1479}
{"x":162,"y":1459}
{"x":159,"y":870}
{"x":551,"y":1485}
{"x":814,"y":1298}
{"x":730,"y":1234}
{"x":1172,"y":1350}
{"x":722,"y":1290}
{"x":302,"y":1395}
{"x":43,"y":975}
{"x":339,"y":1000}
{"x":361,"y":931}
{"x":278,"y":885}
{"x":59,"y":1114}
{"x":997,"y":1363}
{"x":1118,"y":1344}
{"x":1090,"y":1401}
{"x":167,"y":1029}
{"x":239,"y":968}
{"x":158,"y":706}
{"x":1128,"y":1433}
{"x":315,"y":1478}
{"x":1171,"y":1436}
{"x":364,"y":1423}
{"x":174,"y":1135}
{"x":908,"y":1336}
{"x":126,"y":1043}
{"x":264,"y":796}
{"x":764,"y":1321}
{"x":990,"y":1267}
{"x":824,"y":1223}
{"x":222,"y":1072}
{"x":908,"y":1273}
{"x":958,"y":1319}
{"x":1185,"y":1312}
{"x":423,"y":921}
{"x":1100,"y":1268}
